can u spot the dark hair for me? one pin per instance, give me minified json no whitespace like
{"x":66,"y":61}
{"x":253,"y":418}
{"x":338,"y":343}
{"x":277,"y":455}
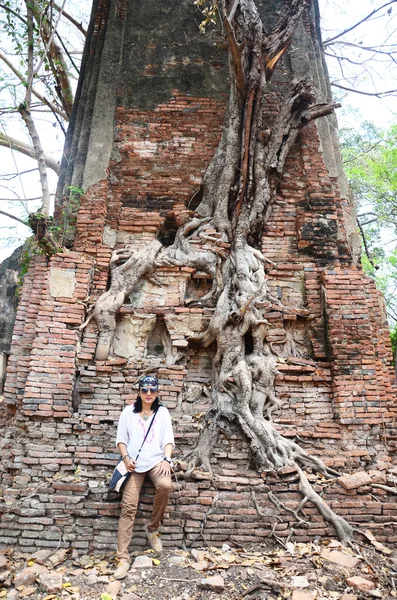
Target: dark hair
{"x":138,"y":404}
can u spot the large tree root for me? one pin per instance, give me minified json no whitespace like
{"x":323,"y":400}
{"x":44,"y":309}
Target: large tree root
{"x":222,"y":239}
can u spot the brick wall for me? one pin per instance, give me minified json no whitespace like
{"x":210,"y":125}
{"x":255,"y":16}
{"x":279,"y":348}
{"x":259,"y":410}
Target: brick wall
{"x":62,"y":406}
{"x":337,"y":396}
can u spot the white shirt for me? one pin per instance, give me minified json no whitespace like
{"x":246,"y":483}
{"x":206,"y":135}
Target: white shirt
{"x":132,"y":429}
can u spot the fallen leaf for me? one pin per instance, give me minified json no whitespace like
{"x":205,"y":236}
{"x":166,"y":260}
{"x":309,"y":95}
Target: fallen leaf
{"x":223,"y":565}
{"x":58,"y":557}
{"x":106,"y":597}
{"x":201,"y":565}
{"x":103,"y":567}
{"x":66,"y":584}
{"x":27,"y":591}
{"x":228,"y":557}
{"x":3,"y":593}
{"x":156,"y":561}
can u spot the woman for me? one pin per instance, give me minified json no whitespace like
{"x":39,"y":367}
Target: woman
{"x":154,"y":460}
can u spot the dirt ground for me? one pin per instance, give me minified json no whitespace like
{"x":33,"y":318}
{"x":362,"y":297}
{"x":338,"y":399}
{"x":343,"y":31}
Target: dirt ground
{"x":294,"y":570}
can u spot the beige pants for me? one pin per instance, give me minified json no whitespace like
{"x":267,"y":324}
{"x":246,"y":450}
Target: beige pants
{"x":130,"y":504}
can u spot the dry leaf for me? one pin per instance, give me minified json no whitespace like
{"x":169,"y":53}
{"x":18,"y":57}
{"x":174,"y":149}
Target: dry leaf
{"x":228,"y":557}
{"x":156,"y":561}
{"x":223,"y":565}
{"x":73,"y":590}
{"x":201,"y":565}
{"x":58,"y":557}
{"x":26,"y":591}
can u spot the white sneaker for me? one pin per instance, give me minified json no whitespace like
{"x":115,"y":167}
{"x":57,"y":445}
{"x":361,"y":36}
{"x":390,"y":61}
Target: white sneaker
{"x":154,"y":539}
{"x":122,"y":570}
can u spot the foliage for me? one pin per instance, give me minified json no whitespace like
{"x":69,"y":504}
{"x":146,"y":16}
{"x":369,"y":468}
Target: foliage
{"x":393,"y":337}
{"x":209,"y":10}
{"x":370,"y":162}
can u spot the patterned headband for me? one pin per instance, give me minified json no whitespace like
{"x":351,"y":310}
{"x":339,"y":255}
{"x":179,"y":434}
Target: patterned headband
{"x":148,"y":380}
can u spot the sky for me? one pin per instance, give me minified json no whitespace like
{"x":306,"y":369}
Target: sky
{"x":336,"y":15}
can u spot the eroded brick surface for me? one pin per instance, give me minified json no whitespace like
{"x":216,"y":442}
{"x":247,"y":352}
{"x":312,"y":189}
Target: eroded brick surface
{"x":63,"y":406}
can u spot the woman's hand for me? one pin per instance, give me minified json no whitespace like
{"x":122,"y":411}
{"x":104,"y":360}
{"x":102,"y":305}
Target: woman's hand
{"x":164,"y":469}
{"x":130,"y":464}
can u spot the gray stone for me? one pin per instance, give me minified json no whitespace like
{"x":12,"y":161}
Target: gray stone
{"x":142,"y":562}
{"x":28,"y":576}
{"x":62,"y":283}
{"x":215,"y":583}
{"x":4,"y":562}
{"x":92,"y":579}
{"x":176,"y":560}
{"x":9,"y":272}
{"x":113,"y":588}
{"x":4,"y":575}
{"x":109,"y":236}
{"x":51,"y":582}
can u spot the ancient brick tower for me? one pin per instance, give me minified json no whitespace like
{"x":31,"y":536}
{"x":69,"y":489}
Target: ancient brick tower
{"x":148,"y":117}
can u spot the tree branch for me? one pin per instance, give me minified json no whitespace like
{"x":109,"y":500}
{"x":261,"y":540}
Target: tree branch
{"x":19,"y":199}
{"x":327,"y":42}
{"x":235,"y":48}
{"x":43,"y":99}
{"x":365,"y":244}
{"x":13,"y":12}
{"x":376,"y":94}
{"x":78,"y":25}
{"x":319,"y":110}
{"x":29,"y":15}
{"x":27,"y":117}
{"x":2,"y":212}
{"x":9,"y":142}
{"x":55,"y":56}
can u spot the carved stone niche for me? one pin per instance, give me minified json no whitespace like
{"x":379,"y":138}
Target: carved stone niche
{"x":158,"y":343}
{"x":131,"y":335}
{"x":197,"y":286}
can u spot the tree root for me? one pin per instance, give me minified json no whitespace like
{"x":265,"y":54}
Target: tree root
{"x":243,"y":175}
{"x":343,"y":529}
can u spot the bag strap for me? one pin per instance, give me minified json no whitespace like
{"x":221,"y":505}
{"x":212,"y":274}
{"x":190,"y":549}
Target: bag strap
{"x":147,"y":433}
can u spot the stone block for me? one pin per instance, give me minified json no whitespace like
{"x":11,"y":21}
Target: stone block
{"x":359,"y":583}
{"x":215,"y":583}
{"x":354,"y":481}
{"x":339,"y":558}
{"x":62,"y":282}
